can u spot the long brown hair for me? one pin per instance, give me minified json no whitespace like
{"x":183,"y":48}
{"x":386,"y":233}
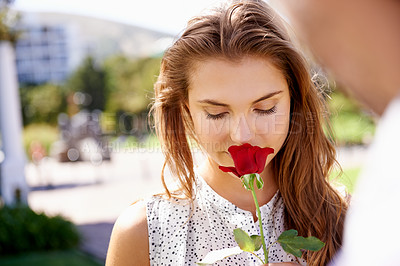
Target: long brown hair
{"x":303,"y":164}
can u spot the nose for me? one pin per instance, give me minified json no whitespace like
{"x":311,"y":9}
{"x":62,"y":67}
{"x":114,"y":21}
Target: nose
{"x":241,"y":131}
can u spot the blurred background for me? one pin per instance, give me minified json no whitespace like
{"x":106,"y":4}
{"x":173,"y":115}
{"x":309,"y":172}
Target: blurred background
{"x":76,"y":80}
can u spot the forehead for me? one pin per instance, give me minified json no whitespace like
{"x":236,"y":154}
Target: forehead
{"x":248,"y":78}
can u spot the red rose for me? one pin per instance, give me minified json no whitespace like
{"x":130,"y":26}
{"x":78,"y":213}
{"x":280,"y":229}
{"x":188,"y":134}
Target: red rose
{"x":248,"y":159}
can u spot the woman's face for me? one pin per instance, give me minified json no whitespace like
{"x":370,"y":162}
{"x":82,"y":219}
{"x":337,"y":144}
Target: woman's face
{"x":232,"y":103}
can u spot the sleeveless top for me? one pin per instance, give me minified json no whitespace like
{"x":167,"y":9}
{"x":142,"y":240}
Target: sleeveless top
{"x":182,"y":233}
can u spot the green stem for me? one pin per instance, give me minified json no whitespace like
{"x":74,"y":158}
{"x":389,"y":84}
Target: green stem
{"x":263,"y":262}
{"x":271,"y":246}
{"x":259,"y":220}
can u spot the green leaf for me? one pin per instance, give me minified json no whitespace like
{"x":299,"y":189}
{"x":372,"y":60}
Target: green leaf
{"x":259,"y":182}
{"x":290,"y":248}
{"x":247,"y":180}
{"x":309,"y":243}
{"x":257,"y":240}
{"x":288,"y":234}
{"x":293,"y":244}
{"x":216,"y":255}
{"x":244,"y":241}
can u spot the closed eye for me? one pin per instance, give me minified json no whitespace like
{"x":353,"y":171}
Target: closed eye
{"x":266,"y":112}
{"x":216,"y":117}
{"x":258,"y":111}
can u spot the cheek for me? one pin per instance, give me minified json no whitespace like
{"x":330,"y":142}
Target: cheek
{"x":210,"y":133}
{"x":207,"y":128}
{"x":275,"y":126}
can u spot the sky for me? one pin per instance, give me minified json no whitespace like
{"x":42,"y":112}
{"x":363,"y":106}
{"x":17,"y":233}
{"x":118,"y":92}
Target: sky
{"x":168,"y":16}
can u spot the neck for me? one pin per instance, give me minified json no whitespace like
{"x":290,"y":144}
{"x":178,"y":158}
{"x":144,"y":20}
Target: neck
{"x":230,"y":187}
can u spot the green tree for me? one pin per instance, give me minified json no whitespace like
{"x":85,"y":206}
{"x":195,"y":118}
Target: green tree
{"x":42,"y":104}
{"x":131,"y":90}
{"x":352,"y":124}
{"x":90,"y":79}
{"x":8,"y":19}
{"x":131,"y":83}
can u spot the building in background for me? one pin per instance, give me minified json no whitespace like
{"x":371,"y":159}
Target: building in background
{"x":52,"y":45}
{"x":47,"y":51}
{"x":42,"y":54}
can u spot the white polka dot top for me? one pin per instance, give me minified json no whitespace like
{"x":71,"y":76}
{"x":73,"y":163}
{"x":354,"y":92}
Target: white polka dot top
{"x":181,"y":233}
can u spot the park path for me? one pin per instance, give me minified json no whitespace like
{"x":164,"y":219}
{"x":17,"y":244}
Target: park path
{"x":92,"y":196}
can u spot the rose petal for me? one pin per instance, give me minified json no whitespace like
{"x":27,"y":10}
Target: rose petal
{"x":235,"y":148}
{"x":229,"y":169}
{"x":252,"y":168}
{"x":261,"y":157}
{"x":248,"y":159}
{"x":244,"y":162}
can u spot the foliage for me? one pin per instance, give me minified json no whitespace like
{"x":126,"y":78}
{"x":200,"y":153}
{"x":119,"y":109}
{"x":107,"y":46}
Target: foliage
{"x":22,"y":230}
{"x":8,"y":20}
{"x":121,"y":88}
{"x":351,"y":124}
{"x":90,"y":80}
{"x":42,"y":103}
{"x":289,"y":241}
{"x":125,"y":85}
{"x":246,"y":242}
{"x":131,"y":89}
{"x":50,"y":258}
{"x":348,"y":178}
{"x":131,"y":83}
{"x":43,"y":133}
{"x":294,"y":244}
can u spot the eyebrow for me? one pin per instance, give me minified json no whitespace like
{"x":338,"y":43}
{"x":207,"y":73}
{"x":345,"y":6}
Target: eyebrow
{"x":267,"y":96}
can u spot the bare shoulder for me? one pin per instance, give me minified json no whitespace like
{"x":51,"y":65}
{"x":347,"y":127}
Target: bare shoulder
{"x":129,"y":243}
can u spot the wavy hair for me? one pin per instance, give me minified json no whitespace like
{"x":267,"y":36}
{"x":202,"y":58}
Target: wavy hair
{"x":302,"y":166}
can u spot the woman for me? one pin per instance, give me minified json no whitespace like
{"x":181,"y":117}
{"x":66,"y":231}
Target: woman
{"x":234,"y":77}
